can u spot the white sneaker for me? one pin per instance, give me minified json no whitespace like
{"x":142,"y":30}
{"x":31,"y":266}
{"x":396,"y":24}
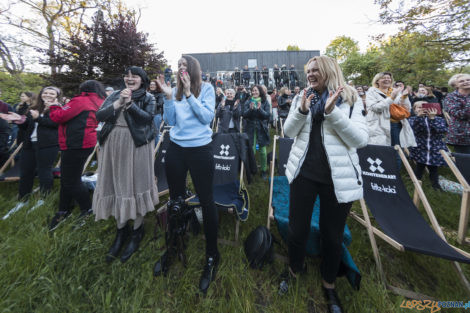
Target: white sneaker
{"x":37,"y":205}
{"x":17,"y":207}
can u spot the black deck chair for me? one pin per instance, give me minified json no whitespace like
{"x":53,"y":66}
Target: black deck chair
{"x":459,"y":164}
{"x":230,"y":194}
{"x":10,"y":171}
{"x":397,"y":215}
{"x":159,"y":166}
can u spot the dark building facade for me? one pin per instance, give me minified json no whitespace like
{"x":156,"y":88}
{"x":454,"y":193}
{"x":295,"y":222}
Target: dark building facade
{"x":227,"y":61}
{"x":221,"y":63}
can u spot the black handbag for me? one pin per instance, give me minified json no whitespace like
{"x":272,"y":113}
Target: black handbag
{"x":259,"y":247}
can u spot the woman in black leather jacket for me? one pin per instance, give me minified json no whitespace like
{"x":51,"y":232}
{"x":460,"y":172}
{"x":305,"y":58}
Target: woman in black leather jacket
{"x":126,"y":186}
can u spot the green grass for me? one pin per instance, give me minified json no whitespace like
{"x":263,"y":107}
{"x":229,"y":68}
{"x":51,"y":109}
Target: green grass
{"x":65,"y":271}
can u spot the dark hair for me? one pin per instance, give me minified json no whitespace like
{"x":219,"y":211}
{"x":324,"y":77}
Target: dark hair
{"x":29,"y":94}
{"x":93,"y":86}
{"x":135,"y":70}
{"x":444,"y":89}
{"x":194,"y":70}
{"x":262,"y":95}
{"x":39,"y":103}
{"x":158,"y":89}
{"x":399,"y":81}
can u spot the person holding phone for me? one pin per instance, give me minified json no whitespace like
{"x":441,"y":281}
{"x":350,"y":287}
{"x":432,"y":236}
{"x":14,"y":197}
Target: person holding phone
{"x":126,"y":188}
{"x":327,"y":125}
{"x":189,"y":108}
{"x":429,"y":130}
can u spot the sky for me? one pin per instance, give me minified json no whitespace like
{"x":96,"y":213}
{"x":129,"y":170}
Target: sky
{"x":180,"y":27}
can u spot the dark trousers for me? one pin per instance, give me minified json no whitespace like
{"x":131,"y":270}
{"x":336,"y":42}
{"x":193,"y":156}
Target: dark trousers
{"x":433,"y":175}
{"x":200,"y":163}
{"x":71,"y":186}
{"x":303,"y":193}
{"x":38,"y":160}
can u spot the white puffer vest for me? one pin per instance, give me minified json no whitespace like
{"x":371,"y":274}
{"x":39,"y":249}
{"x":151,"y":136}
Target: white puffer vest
{"x":341,"y":137}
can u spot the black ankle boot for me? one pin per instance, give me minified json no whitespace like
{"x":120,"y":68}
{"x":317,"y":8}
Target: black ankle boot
{"x":332,"y":300}
{"x":162,"y":265}
{"x":136,"y":238}
{"x":121,"y":237}
{"x":209,"y":272}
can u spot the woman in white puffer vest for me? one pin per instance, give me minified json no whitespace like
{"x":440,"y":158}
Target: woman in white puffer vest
{"x":327,"y":123}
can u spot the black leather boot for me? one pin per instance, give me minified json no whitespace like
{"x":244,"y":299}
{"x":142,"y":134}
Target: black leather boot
{"x":209,"y":272}
{"x":121,"y":237}
{"x":136,"y":238}
{"x":332,"y":300}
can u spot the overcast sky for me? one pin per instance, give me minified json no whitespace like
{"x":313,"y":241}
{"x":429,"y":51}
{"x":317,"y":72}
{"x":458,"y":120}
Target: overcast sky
{"x":179,"y":27}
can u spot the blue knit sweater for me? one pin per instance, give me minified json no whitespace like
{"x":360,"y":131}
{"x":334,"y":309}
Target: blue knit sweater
{"x":191,"y":117}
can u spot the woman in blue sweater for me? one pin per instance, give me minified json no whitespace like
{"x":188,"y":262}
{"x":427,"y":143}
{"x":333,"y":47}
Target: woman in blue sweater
{"x":189,"y":108}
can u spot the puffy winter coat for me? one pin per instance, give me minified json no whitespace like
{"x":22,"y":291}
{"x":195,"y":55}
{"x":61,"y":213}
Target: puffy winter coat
{"x":341,"y":137}
{"x":378,"y":119}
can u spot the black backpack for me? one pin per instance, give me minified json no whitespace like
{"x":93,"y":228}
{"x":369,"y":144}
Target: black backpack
{"x":259,"y":247}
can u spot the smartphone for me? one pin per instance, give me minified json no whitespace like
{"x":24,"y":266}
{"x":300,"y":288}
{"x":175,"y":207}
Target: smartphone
{"x":436,"y":106}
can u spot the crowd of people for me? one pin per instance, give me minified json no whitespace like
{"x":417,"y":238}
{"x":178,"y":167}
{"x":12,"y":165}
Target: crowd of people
{"x":329,"y":120}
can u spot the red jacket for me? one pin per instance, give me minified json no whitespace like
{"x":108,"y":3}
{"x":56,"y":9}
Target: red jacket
{"x":77,"y":121}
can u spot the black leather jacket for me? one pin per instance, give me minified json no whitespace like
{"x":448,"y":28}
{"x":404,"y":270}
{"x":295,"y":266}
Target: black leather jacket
{"x":139,"y":118}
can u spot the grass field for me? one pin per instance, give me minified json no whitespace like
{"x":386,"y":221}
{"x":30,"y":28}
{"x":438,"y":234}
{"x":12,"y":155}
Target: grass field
{"x":65,"y":271}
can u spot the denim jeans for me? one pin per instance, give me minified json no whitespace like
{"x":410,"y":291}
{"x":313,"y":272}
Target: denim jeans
{"x":157,"y":119}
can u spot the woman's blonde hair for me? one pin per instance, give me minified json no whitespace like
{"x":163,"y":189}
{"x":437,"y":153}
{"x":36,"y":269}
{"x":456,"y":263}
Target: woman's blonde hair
{"x":331,"y":72}
{"x":282,"y":91}
{"x":454,"y":78}
{"x":375,"y":80}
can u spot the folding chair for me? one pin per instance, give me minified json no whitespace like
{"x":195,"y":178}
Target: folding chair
{"x":461,"y":170}
{"x":279,"y":210}
{"x":397,"y":215}
{"x":159,"y":167}
{"x":13,"y":172}
{"x":230,"y":194}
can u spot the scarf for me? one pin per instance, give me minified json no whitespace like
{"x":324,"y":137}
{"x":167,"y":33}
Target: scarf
{"x":256,"y":100}
{"x":317,"y":104}
{"x":138,"y":94}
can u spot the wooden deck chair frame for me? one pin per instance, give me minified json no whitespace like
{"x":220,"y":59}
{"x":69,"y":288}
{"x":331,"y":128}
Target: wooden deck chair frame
{"x":160,"y":140}
{"x":373,"y":231}
{"x":11,"y":159}
{"x":90,"y":157}
{"x":465,"y":203}
{"x":282,"y":127}
{"x":272,"y":166}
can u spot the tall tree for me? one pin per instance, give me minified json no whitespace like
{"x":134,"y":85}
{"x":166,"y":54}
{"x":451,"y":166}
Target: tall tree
{"x":341,"y":47}
{"x":109,"y":47}
{"x":449,"y":18}
{"x":293,"y":48}
{"x":45,"y":25}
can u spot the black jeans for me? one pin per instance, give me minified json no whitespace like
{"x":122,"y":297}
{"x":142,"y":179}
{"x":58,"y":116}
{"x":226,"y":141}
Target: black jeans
{"x":433,"y":175}
{"x":38,"y":160}
{"x":303,"y":193}
{"x":71,"y":186}
{"x":200,"y":163}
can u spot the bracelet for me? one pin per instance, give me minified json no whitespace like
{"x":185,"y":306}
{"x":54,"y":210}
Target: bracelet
{"x":189,"y":96}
